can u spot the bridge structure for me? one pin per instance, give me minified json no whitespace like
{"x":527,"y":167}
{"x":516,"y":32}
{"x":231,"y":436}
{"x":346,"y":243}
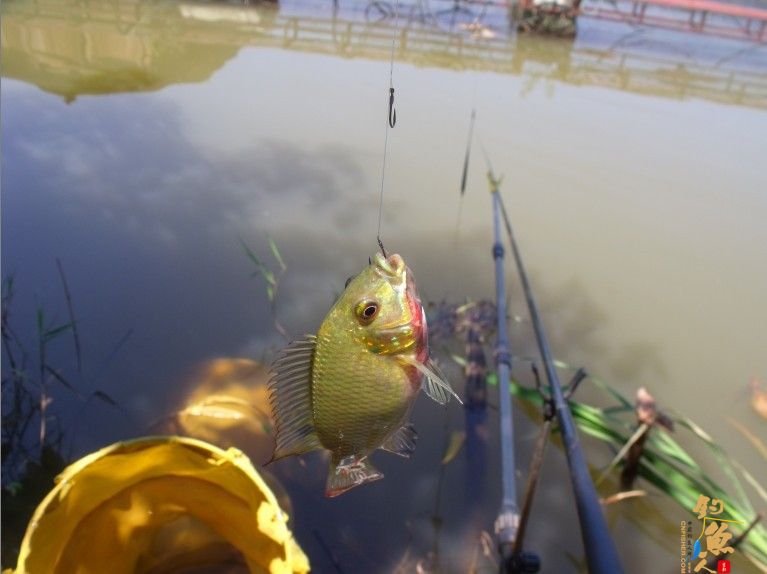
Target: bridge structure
{"x":704,"y":17}
{"x":696,"y":16}
{"x":80,"y":48}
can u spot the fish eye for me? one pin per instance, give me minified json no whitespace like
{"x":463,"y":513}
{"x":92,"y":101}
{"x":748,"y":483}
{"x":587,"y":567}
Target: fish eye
{"x":367,"y":311}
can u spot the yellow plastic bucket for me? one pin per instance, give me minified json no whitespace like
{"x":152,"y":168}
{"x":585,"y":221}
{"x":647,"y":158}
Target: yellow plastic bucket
{"x":160,"y":504}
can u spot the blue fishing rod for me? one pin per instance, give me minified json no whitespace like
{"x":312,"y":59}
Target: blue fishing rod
{"x":601,"y":554}
{"x":507,"y":523}
{"x":508,"y":526}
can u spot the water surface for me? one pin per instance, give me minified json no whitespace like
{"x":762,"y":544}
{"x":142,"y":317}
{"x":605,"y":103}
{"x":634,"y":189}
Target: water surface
{"x":142,"y":141}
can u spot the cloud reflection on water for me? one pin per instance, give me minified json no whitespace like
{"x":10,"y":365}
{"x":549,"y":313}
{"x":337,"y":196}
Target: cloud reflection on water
{"x":82,"y":179}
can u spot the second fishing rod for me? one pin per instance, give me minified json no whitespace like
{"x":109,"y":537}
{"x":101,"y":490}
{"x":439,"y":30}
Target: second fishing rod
{"x":601,"y":554}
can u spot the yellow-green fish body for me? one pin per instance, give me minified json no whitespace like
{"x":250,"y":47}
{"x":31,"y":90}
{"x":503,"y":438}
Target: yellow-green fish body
{"x":350,"y":389}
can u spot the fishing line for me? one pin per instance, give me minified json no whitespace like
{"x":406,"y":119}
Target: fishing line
{"x":391,"y":121}
{"x":466,"y":158}
{"x":465,"y":174}
{"x":487,"y":157}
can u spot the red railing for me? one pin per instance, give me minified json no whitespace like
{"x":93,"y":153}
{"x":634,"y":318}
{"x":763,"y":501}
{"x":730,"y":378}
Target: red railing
{"x":698,"y":16}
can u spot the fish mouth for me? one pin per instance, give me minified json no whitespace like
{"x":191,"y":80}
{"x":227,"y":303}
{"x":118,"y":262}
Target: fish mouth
{"x":398,"y":274}
{"x":392,"y":266}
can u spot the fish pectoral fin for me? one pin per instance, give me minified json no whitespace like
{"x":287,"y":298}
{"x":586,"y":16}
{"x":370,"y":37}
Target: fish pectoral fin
{"x":437,"y":385}
{"x":434,"y":384}
{"x":290,"y":399}
{"x":402,"y":441}
{"x":343,"y":477}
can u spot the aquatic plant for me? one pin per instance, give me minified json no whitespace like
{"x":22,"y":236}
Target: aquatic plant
{"x":32,"y":437}
{"x":29,"y":381}
{"x":665,"y":463}
{"x":272,"y":279}
{"x":26,"y":390}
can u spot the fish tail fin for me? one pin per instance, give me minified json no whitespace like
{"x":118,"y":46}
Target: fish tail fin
{"x":290,"y":399}
{"x":343,"y":477}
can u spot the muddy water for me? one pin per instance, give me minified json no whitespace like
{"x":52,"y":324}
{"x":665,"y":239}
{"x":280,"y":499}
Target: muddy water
{"x":141,"y":141}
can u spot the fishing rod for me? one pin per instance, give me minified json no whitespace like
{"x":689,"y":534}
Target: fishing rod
{"x":601,"y":554}
{"x":507,"y":523}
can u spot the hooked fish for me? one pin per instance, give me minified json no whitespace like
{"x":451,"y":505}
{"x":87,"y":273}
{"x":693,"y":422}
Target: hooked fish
{"x":350,"y":388}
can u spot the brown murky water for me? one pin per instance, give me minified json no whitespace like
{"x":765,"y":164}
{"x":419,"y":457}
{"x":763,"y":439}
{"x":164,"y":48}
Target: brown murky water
{"x":142,"y":140}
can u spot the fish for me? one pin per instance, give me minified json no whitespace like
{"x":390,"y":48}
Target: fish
{"x":350,"y":389}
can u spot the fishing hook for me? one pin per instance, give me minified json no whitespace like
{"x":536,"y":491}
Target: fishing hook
{"x":392,"y":111}
{"x":380,"y":244}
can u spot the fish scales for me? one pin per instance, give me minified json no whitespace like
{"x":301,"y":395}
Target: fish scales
{"x":380,"y":390}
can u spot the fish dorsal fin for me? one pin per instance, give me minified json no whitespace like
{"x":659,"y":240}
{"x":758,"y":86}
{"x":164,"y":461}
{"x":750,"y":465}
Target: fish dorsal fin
{"x":434,"y":384}
{"x":402,"y":441}
{"x":291,"y":400}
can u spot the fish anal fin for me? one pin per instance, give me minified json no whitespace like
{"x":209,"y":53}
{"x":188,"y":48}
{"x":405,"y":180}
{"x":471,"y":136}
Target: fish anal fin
{"x":343,"y":477}
{"x":402,"y":441}
{"x":290,"y":399}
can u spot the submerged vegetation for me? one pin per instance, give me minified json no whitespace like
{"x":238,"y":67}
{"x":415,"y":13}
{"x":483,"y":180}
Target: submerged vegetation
{"x":31,"y":381}
{"x":667,"y":465}
{"x":664,"y":462}
{"x":33,"y":436}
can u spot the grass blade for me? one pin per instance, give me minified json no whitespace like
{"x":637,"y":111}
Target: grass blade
{"x":457,"y":438}
{"x":643,"y":429}
{"x":102,"y":396}
{"x":262,"y":269}
{"x":667,"y":445}
{"x":54,"y":332}
{"x":60,"y":378}
{"x":755,"y":440}
{"x":752,"y":481}
{"x":71,"y":311}
{"x":276,"y":253}
{"x":723,"y":459}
